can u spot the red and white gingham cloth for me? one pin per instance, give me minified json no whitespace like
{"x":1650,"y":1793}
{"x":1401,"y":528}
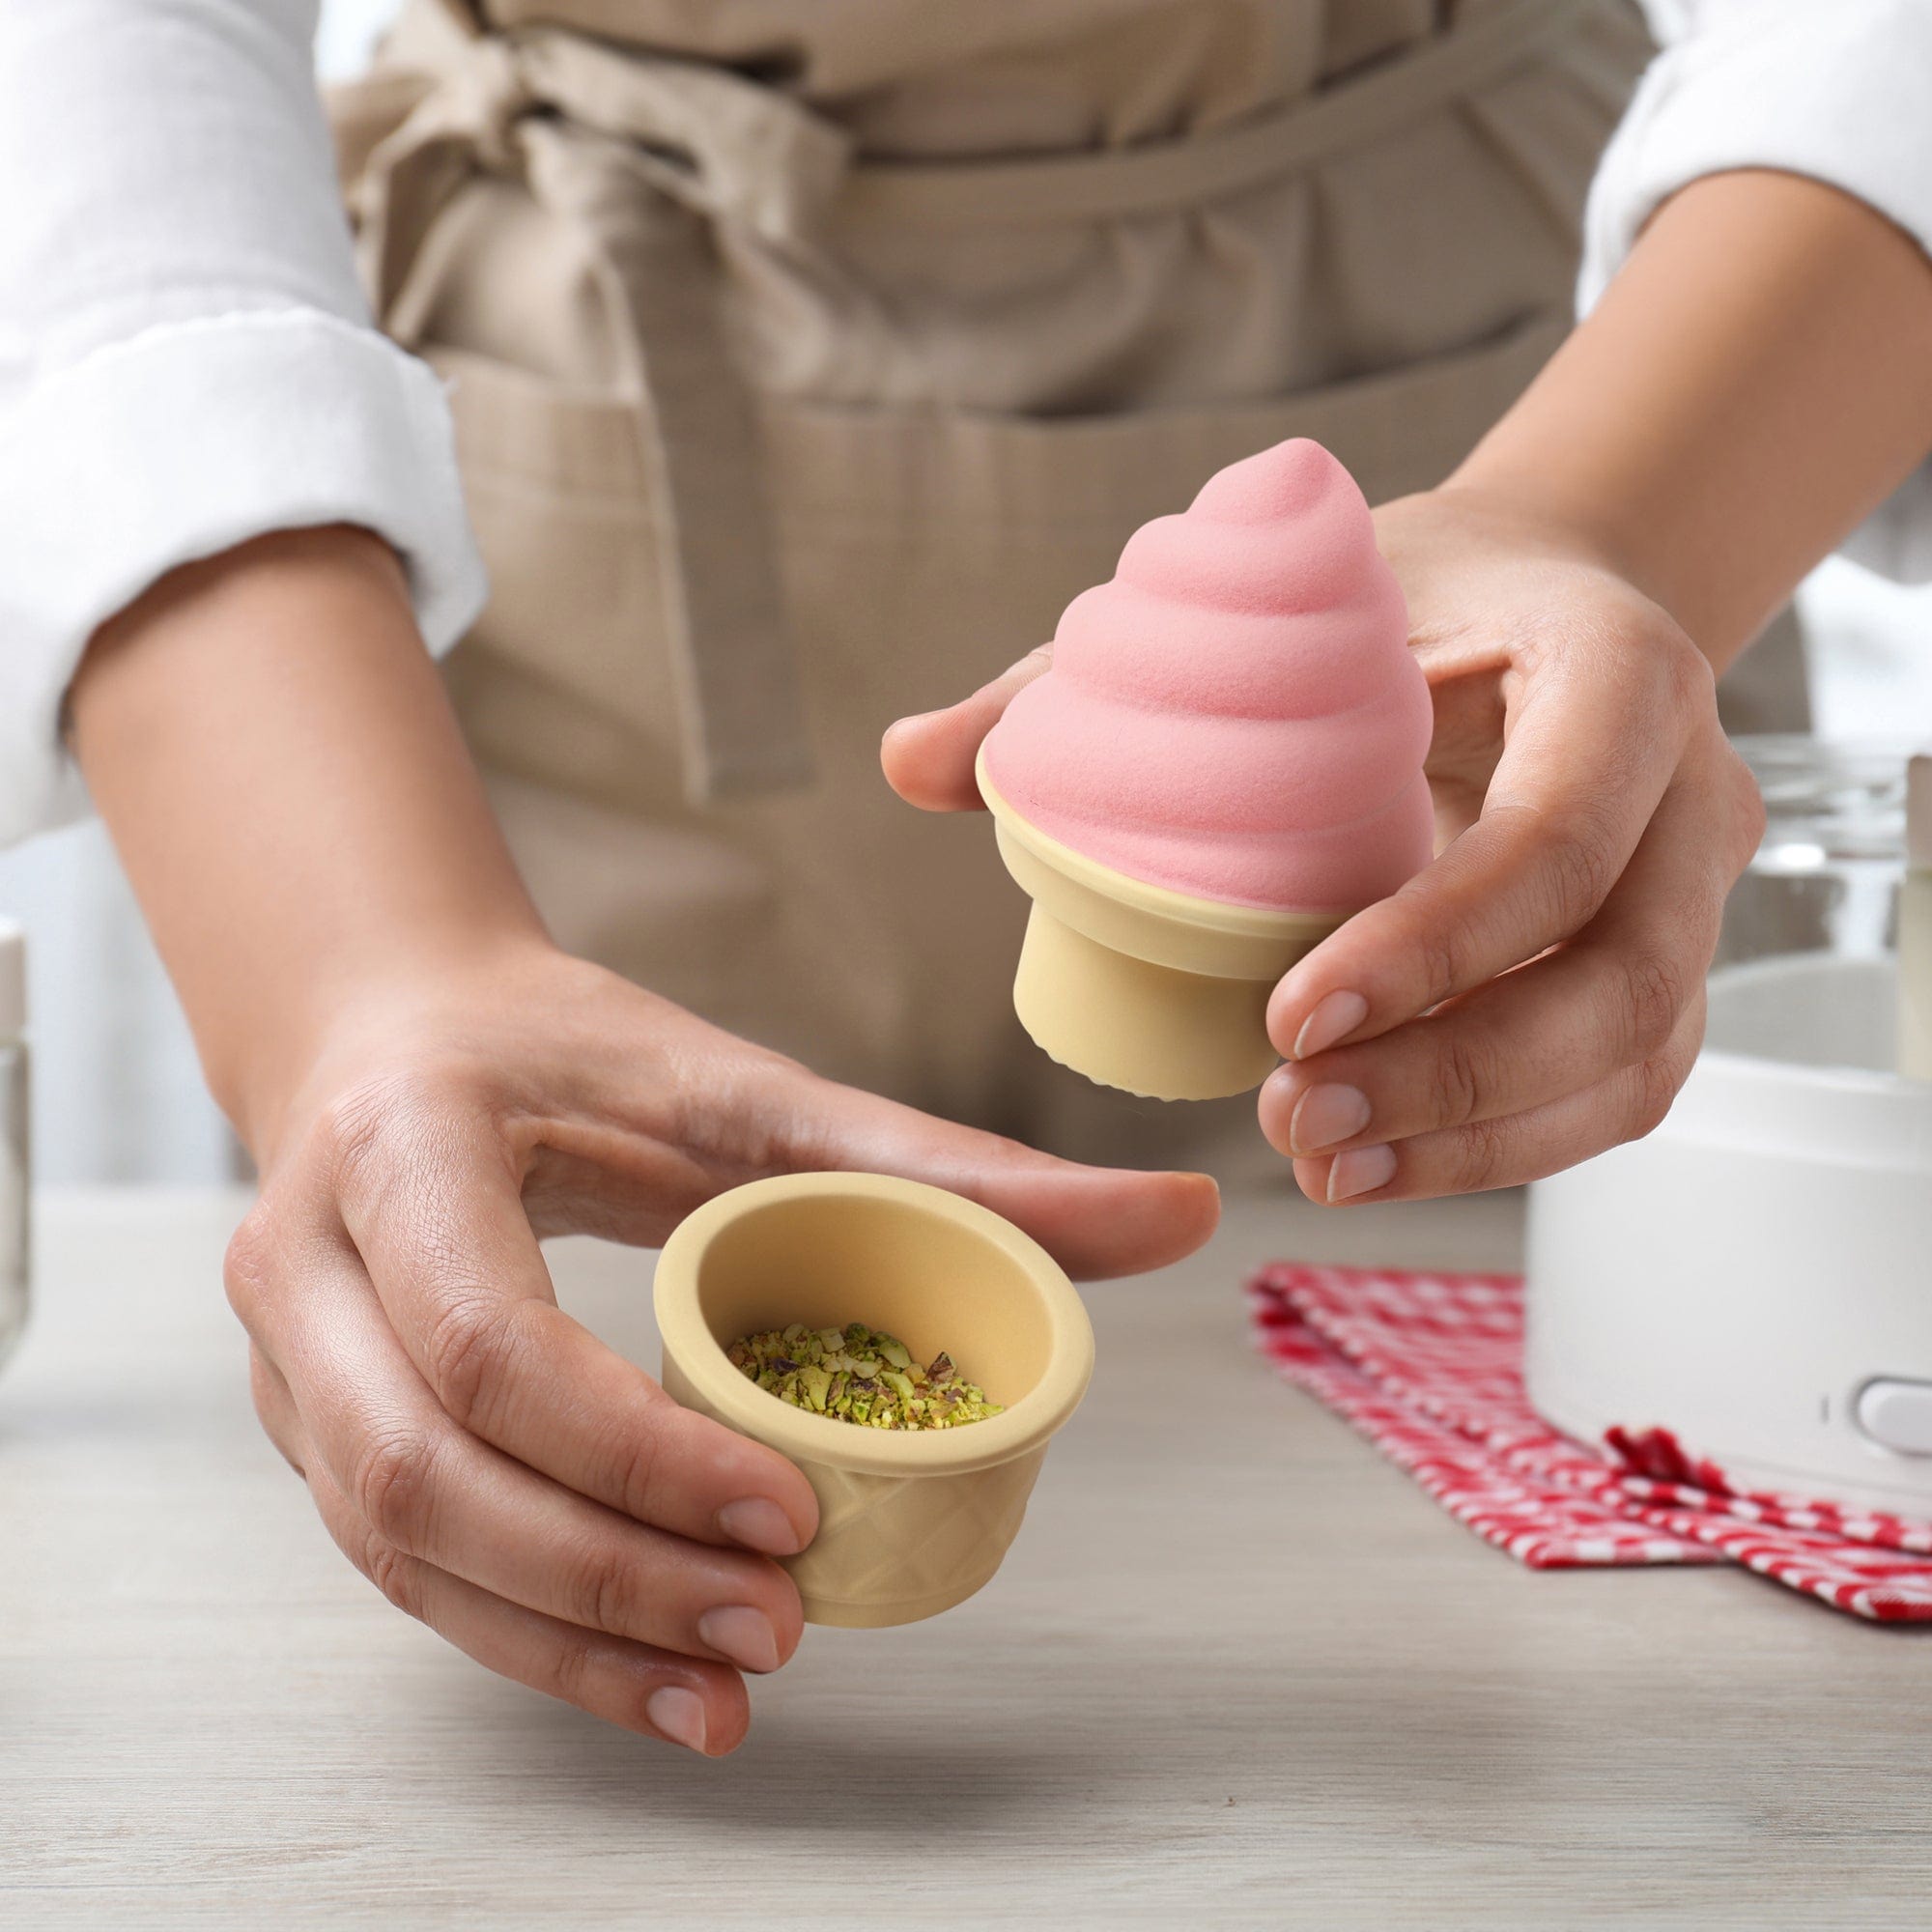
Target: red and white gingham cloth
{"x":1429,"y":1366}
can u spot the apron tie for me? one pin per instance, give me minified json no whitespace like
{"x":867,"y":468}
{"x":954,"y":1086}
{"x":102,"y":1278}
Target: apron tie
{"x":644,"y":155}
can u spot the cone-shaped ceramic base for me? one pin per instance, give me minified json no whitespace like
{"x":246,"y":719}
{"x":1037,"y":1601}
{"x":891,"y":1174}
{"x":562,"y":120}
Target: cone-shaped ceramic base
{"x":910,"y":1522}
{"x":1139,"y":987}
{"x":1124,"y":1022}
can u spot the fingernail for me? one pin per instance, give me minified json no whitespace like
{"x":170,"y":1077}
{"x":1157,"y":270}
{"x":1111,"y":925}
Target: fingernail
{"x":1360,"y":1171}
{"x":758,"y":1524}
{"x":743,"y":1634}
{"x":1325,"y":1116}
{"x":1334,"y":1018}
{"x":679,"y":1714}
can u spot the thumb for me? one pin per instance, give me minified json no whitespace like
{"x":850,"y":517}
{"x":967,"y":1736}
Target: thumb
{"x":929,"y":759}
{"x":1097,"y":1222}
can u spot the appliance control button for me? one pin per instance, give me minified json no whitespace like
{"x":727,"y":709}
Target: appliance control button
{"x":1897,"y":1416}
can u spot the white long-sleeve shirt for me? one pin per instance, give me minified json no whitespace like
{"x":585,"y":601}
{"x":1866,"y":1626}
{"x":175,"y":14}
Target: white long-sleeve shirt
{"x":186,"y":357}
{"x":1839,"y":90}
{"x":185,"y":361}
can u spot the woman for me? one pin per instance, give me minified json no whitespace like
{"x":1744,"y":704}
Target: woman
{"x":804,"y":361}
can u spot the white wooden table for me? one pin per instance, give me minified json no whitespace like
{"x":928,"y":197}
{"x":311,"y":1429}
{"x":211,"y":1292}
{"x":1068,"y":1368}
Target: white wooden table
{"x":1237,"y":1672}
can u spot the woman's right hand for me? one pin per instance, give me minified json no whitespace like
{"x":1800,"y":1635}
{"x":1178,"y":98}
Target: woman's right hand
{"x":477,"y":1454}
{"x":429,"y":1086}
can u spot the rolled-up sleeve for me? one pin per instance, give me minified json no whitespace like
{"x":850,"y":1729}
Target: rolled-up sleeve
{"x":185,"y":359}
{"x":1838,"y":89}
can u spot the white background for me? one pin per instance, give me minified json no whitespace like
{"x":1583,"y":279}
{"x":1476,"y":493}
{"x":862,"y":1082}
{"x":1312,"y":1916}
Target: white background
{"x":118,"y":1096}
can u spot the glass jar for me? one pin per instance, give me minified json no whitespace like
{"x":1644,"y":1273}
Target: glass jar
{"x":1826,"y":875}
{"x":15,"y":1169}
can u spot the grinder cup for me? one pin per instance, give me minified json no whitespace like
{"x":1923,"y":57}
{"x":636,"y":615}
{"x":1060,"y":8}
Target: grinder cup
{"x":1139,"y":987}
{"x":911,"y":1521}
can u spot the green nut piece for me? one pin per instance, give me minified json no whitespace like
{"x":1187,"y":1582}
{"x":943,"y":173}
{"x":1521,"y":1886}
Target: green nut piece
{"x":861,"y":1375}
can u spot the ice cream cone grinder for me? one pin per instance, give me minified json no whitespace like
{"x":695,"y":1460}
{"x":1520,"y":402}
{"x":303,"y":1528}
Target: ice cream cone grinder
{"x":910,"y":1522}
{"x":1224,"y":759}
{"x":1756,"y":1277}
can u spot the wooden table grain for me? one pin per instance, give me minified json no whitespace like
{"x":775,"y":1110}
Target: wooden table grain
{"x":1237,"y":1672}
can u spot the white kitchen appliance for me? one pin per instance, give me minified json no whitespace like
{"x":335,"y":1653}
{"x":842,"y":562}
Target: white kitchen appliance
{"x":1756,"y":1277}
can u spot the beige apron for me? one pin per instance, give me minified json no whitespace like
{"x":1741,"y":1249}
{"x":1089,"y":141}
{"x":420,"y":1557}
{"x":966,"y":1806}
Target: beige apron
{"x":802,"y":372}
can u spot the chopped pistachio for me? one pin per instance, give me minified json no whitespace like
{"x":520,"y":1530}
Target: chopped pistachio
{"x":861,"y":1375}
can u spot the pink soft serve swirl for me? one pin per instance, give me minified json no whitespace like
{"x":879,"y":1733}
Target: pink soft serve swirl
{"x":1235,"y":715}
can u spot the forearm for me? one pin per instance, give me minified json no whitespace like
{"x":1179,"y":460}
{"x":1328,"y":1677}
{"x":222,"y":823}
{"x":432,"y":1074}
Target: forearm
{"x":1755,"y":382}
{"x":273,"y":752}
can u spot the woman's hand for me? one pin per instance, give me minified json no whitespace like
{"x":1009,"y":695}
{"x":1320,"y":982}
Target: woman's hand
{"x":1754,"y":381}
{"x":428,"y":1087}
{"x":488,"y":1464}
{"x":1536,"y":995}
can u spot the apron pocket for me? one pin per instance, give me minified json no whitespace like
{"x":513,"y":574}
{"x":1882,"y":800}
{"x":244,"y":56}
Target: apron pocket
{"x":924,"y":550}
{"x":1397,"y":431}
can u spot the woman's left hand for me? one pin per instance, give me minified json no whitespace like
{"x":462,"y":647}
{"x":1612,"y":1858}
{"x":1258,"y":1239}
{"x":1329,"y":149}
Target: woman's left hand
{"x":1536,"y":994}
